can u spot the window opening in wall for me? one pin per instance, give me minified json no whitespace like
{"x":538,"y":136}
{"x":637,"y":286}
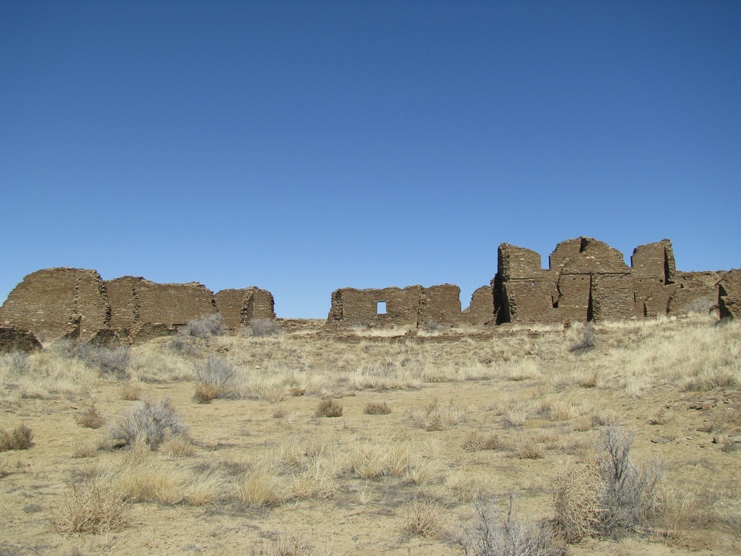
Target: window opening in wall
{"x":380,"y":307}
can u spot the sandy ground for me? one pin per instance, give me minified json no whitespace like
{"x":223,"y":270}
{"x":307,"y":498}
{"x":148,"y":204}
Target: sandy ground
{"x":353,"y":515}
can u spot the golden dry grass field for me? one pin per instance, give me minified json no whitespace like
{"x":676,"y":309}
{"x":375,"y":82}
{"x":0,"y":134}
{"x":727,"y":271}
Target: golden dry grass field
{"x":302,"y":443}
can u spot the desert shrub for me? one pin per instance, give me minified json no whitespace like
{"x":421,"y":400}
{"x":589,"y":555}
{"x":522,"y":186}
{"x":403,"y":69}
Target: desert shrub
{"x":376,"y":408}
{"x":628,"y":489}
{"x":91,"y":507}
{"x":182,"y":344}
{"x":577,"y":500}
{"x":264,"y":327}
{"x":204,"y":393}
{"x":215,"y":377}
{"x":586,"y":341}
{"x":131,"y":391}
{"x":205,"y":326}
{"x":477,"y":441}
{"x":90,"y":418}
{"x":329,"y":408}
{"x":20,"y":438}
{"x":149,"y":423}
{"x":494,"y":535}
{"x":111,"y":361}
{"x":424,"y":518}
{"x":527,"y":449}
{"x":437,"y":417}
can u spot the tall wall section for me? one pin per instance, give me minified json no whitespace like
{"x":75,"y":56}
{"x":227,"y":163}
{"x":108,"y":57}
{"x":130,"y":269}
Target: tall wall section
{"x":589,"y":280}
{"x":58,"y":302}
{"x":238,"y":307}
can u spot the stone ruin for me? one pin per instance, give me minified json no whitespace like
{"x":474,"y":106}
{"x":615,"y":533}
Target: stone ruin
{"x":586,"y":280}
{"x":729,"y":295}
{"x":414,"y":306}
{"x":77,"y":304}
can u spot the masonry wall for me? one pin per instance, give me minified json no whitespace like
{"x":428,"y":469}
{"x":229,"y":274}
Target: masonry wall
{"x":58,"y":302}
{"x":76,"y":303}
{"x":729,"y":295}
{"x":592,"y":282}
{"x":238,"y":307}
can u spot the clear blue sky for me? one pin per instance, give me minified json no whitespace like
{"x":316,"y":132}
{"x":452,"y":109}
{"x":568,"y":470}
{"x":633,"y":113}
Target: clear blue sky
{"x":304,"y":146}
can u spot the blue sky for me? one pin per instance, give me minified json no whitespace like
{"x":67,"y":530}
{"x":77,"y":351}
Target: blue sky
{"x":306,"y":146}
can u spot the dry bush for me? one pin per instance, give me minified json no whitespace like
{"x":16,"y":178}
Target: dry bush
{"x":91,"y":507}
{"x":329,"y":408}
{"x":149,"y":423}
{"x":207,"y":325}
{"x":20,"y":438}
{"x":204,"y":393}
{"x":264,"y":327}
{"x":577,"y":500}
{"x":90,"y":418}
{"x":586,"y":341}
{"x":215,"y":376}
{"x":112,"y":362}
{"x":494,"y":535}
{"x":629,"y":489}
{"x":376,"y":408}
{"x":437,"y":417}
{"x":477,"y":441}
{"x":424,"y":518}
{"x":150,"y":481}
{"x":527,"y":449}
{"x":131,"y":391}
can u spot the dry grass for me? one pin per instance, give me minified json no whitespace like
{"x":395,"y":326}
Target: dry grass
{"x":329,"y":408}
{"x":377,"y":408}
{"x":91,"y":507}
{"x":436,"y":416}
{"x":131,"y":391}
{"x":424,"y":518}
{"x":512,"y":393}
{"x":90,"y":418}
{"x":477,"y":441}
{"x":20,"y":438}
{"x":577,"y":492}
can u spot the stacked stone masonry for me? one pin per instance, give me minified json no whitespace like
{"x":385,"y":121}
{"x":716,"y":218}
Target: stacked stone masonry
{"x":586,"y":280}
{"x":78,"y":304}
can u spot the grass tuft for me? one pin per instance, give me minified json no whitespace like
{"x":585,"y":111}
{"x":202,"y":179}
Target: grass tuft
{"x":329,"y":408}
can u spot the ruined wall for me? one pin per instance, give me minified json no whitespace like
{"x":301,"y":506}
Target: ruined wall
{"x":238,"y":307}
{"x":410,"y":307}
{"x":481,"y":310}
{"x":173,"y":304}
{"x":76,"y":303}
{"x":592,"y":282}
{"x":352,"y":307}
{"x":58,"y":302}
{"x":729,"y":295}
{"x":523,"y":291}
{"x":13,"y":339}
